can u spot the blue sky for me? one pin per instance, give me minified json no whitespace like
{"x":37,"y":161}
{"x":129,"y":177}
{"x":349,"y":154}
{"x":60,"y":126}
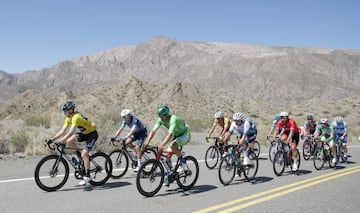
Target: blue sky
{"x":36,"y":34}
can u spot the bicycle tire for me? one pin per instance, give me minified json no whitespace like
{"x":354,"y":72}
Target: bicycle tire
{"x":120,"y":163}
{"x":212,"y":156}
{"x":306,"y":150}
{"x":151,"y":173}
{"x":256,"y":148}
{"x":191,"y":174}
{"x":251,"y":170}
{"x":279,"y":163}
{"x":319,"y":158}
{"x":100,"y":168}
{"x":227,"y":169}
{"x":44,"y":180}
{"x":147,"y":154}
{"x":272,"y":151}
{"x":298,"y":160}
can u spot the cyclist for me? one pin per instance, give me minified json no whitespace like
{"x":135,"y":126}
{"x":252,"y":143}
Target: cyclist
{"x":310,"y":126}
{"x":252,"y":133}
{"x":178,"y":136}
{"x":327,"y":131}
{"x":242,"y":127}
{"x":341,"y":131}
{"x":68,"y":135}
{"x":273,"y":125}
{"x":222,"y":121}
{"x":289,"y":135}
{"x":137,"y":132}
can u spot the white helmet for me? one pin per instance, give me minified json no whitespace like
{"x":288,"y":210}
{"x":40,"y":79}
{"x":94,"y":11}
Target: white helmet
{"x":339,"y":119}
{"x":284,"y":114}
{"x":125,"y":112}
{"x":323,"y":139}
{"x":219,"y":114}
{"x":238,"y":116}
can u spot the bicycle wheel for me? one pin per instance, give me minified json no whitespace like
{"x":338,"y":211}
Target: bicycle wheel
{"x":100,"y":168}
{"x":279,"y":163}
{"x":298,"y":160}
{"x":120,"y":163}
{"x":272,"y":151}
{"x":212,"y":157}
{"x":189,"y":178}
{"x":51,"y":174}
{"x":150,"y":177}
{"x":147,"y":154}
{"x":256,"y":148}
{"x":251,"y":169}
{"x":306,"y":150}
{"x":329,"y":156}
{"x":227,"y":169}
{"x":319,"y":158}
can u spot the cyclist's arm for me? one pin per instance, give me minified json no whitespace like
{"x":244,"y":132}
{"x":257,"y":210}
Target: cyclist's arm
{"x":67,"y":135}
{"x":150,"y":137}
{"x":211,"y":131}
{"x":131,"y":132}
{"x":59,"y":134}
{"x":166,"y":140}
{"x":118,"y":132}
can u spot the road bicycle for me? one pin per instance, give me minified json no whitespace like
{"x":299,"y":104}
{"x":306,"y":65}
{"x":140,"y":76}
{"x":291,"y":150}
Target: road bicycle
{"x":233,"y":162}
{"x":152,"y":173}
{"x":339,"y":151}
{"x":283,"y":157}
{"x":214,"y":152}
{"x":52,"y":172}
{"x":275,"y":145}
{"x":309,"y":147}
{"x":322,"y":154}
{"x":123,"y":157}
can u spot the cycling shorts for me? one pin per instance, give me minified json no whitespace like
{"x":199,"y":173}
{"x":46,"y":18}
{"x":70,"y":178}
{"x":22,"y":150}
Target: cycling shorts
{"x":90,"y":139}
{"x":295,"y":138}
{"x":140,"y":137}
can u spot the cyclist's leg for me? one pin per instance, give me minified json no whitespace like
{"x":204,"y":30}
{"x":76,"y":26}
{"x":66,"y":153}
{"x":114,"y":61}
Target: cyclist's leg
{"x":333,"y":151}
{"x":90,"y":140}
{"x":180,"y":142}
{"x":294,"y":144}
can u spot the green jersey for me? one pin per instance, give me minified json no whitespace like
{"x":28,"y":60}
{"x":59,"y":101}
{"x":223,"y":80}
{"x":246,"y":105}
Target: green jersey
{"x":175,"y":124}
{"x":328,"y":131}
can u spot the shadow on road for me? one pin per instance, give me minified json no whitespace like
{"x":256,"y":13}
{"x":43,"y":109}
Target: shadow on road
{"x":195,"y":190}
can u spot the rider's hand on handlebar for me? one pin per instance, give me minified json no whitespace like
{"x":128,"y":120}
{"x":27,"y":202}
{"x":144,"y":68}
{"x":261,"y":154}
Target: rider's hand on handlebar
{"x":112,"y":139}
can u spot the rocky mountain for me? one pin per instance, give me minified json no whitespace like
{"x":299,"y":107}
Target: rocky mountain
{"x":194,"y":78}
{"x":262,"y":72}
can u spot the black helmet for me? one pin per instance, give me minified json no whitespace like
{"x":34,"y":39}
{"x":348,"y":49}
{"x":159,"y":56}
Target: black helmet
{"x":68,"y":105}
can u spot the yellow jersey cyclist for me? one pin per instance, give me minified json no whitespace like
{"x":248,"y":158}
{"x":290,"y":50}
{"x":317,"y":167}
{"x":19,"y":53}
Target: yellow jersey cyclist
{"x":137,"y":132}
{"x":178,"y":135}
{"x":77,"y":128}
{"x":221,"y":121}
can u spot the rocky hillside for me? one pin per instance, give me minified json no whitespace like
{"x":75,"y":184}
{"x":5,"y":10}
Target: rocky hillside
{"x":194,"y":78}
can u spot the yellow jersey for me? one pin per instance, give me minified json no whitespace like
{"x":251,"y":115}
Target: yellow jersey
{"x":82,"y":123}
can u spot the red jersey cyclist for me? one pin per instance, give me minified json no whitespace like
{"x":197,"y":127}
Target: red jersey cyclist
{"x":290,"y":135}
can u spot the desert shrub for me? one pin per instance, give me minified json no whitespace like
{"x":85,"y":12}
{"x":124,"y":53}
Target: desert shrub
{"x":19,"y":141}
{"x":38,"y":120}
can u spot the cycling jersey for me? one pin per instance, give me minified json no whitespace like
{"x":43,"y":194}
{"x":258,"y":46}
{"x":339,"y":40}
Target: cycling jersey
{"x":241,"y":129}
{"x":288,"y":126}
{"x":81,"y":122}
{"x":226,"y":122}
{"x":175,"y":124}
{"x":327,"y":131}
{"x":310,"y":126}
{"x":340,"y":129}
{"x":134,"y":122}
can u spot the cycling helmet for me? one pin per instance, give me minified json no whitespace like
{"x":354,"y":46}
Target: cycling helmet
{"x":323,"y":138}
{"x":339,"y":119}
{"x":277,"y":117}
{"x":68,"y":105}
{"x":125,"y":112}
{"x":324,"y":121}
{"x":238,"y":117}
{"x":249,"y":120}
{"x":163,"y":110}
{"x":284,"y":114}
{"x":309,"y":117}
{"x":219,"y":114}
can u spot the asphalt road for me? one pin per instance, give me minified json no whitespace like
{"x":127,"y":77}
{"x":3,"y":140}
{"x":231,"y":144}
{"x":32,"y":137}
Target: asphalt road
{"x":327,"y":190}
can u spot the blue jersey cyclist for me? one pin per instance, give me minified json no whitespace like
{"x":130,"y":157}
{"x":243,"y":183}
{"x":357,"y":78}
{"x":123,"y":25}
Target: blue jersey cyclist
{"x":137,"y":132}
{"x":341,"y":131}
{"x":178,"y":135}
{"x":241,"y":126}
{"x":273,"y":126}
{"x":310,"y":126}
